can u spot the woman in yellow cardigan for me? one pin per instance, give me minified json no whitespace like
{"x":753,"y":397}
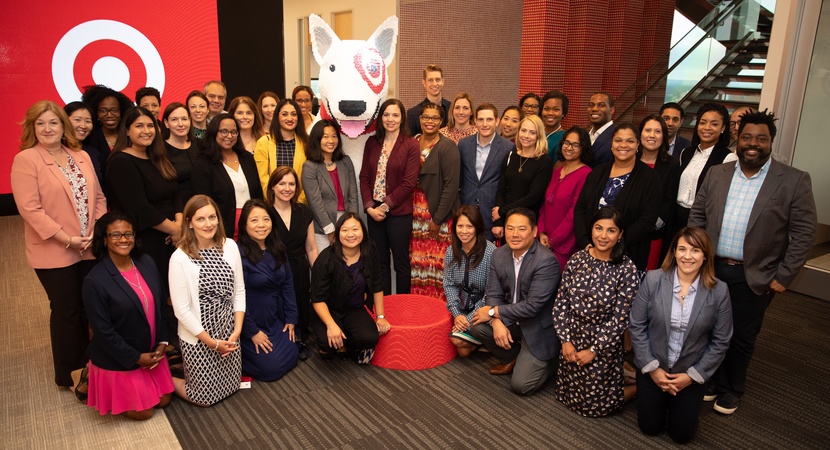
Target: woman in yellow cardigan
{"x":284,"y":146}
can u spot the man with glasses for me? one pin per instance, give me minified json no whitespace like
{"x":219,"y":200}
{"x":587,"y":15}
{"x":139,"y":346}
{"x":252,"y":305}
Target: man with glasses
{"x":482,"y":158}
{"x":433,"y":85}
{"x":734,"y":120}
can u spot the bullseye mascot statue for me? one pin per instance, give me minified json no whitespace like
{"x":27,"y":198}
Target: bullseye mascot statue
{"x":353,"y":81}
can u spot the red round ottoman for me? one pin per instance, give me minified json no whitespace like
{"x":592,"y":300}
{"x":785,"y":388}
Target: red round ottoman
{"x":420,"y":334}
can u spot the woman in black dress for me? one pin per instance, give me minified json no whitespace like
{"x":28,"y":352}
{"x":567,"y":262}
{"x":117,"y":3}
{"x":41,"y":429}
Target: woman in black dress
{"x":182,"y":147}
{"x":526,"y":173}
{"x":295,"y":225}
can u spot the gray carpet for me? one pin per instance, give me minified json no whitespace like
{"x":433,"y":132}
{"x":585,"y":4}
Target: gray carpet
{"x":338,"y":404}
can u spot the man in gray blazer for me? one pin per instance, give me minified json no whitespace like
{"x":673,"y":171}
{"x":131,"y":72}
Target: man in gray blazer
{"x":482,"y":158}
{"x":761,"y":218}
{"x":519,"y":307}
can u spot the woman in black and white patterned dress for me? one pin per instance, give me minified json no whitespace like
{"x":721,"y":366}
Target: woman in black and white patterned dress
{"x":590,"y":315}
{"x":208,"y":293}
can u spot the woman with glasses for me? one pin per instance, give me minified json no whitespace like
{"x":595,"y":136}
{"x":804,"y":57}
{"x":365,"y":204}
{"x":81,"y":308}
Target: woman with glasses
{"x":435,"y":199}
{"x":556,"y":218}
{"x":225,"y":171}
{"x":460,"y":123}
{"x":530,"y":103}
{"x":108,"y":107}
{"x":128,"y":372}
{"x":304,"y":96}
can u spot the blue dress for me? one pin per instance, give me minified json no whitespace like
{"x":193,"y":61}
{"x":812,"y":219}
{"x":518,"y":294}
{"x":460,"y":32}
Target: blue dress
{"x":270,"y":305}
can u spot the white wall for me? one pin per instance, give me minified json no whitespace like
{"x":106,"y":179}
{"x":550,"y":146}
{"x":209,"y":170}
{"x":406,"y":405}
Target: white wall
{"x":367,"y":15}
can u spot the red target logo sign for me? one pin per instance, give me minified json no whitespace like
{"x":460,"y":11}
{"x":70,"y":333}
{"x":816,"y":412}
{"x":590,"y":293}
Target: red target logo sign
{"x":109,"y":70}
{"x":172,"y":46}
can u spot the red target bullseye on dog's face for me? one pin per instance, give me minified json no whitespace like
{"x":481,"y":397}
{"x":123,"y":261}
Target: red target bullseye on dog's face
{"x":369,"y":63}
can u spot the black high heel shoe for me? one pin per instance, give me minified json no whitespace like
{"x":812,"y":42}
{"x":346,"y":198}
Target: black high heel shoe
{"x":83,"y":381}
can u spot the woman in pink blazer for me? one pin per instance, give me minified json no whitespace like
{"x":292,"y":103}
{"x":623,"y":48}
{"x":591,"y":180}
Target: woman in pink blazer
{"x":59,"y":198}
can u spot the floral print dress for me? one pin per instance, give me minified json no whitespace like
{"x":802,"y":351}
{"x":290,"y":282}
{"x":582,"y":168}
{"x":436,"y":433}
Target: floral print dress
{"x":592,"y":309}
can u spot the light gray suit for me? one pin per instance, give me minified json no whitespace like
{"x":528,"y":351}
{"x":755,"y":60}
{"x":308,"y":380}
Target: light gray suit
{"x":322,"y":198}
{"x":707,"y":333}
{"x":531,"y":315}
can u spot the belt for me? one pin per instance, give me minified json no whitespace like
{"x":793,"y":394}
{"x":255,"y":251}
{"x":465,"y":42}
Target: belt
{"x":730,"y":261}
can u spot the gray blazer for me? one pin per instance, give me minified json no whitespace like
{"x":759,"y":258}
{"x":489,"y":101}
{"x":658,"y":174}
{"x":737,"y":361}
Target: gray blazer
{"x":781,"y":228}
{"x":319,"y":190}
{"x":439,"y":179}
{"x":482,"y":192}
{"x":707,"y":334}
{"x":537,"y":284}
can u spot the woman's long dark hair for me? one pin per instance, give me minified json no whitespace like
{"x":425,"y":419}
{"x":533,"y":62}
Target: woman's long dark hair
{"x":477,"y":252}
{"x":211,"y":150}
{"x":612,"y":213}
{"x":380,"y":132}
{"x":337,"y":247}
{"x":723,"y":140}
{"x":273,"y":244}
{"x":99,"y":237}
{"x":299,"y":130}
{"x":156,"y":152}
{"x":663,"y":151}
{"x":165,"y":116}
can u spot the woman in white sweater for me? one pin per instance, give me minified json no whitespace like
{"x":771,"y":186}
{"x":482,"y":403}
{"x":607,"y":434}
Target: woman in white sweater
{"x":208,"y":293}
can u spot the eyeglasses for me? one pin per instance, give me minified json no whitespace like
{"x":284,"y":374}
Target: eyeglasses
{"x":225,"y":133}
{"x":431,"y":118}
{"x":733,"y":124}
{"x":303,"y":100}
{"x":573,"y":145}
{"x":105,"y":111}
{"x":116,"y":236}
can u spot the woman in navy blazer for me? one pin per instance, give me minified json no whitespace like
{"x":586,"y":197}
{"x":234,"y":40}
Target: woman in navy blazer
{"x":128,"y":371}
{"x":680,"y":324}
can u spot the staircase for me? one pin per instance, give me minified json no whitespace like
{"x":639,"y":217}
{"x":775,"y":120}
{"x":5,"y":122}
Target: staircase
{"x":736,"y":81}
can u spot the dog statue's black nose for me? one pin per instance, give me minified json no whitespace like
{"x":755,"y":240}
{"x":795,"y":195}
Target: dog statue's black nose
{"x":352,"y":108}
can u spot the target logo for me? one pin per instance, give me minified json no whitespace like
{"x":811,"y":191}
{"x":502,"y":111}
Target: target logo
{"x":72,"y":52}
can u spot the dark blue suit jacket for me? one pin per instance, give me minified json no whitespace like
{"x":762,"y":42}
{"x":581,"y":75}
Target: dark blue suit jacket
{"x":602,"y":146}
{"x":121,"y":332}
{"x":482,"y":192}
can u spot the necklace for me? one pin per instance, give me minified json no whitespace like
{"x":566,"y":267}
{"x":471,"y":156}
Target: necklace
{"x":522,"y":162}
{"x":331,"y":164}
{"x":554,"y":131}
{"x":137,"y":285}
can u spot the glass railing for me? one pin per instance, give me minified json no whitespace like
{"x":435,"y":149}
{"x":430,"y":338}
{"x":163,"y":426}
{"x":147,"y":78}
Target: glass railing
{"x":692,"y":57}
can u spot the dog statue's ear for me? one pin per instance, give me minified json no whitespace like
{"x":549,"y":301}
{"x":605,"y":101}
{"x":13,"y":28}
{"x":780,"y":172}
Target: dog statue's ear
{"x":323,"y":37}
{"x":385,"y":37}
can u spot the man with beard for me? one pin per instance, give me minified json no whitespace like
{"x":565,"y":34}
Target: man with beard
{"x":761,"y":216}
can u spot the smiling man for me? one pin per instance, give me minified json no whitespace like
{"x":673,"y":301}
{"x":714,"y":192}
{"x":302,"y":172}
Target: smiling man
{"x":433,"y":83}
{"x":482,"y":155}
{"x":516,"y":326}
{"x":600,"y":109}
{"x":217,"y":95}
{"x":761,"y":216}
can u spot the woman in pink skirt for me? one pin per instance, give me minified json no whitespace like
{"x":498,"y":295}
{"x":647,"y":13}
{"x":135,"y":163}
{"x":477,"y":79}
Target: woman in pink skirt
{"x":128,"y":371}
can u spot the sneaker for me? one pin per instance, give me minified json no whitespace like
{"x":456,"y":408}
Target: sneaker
{"x":711,"y":393}
{"x":727,"y":403}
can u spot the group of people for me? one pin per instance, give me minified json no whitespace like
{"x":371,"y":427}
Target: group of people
{"x":539,"y":239}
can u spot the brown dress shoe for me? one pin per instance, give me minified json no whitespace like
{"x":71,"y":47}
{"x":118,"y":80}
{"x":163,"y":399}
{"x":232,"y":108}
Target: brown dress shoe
{"x":503,"y":369}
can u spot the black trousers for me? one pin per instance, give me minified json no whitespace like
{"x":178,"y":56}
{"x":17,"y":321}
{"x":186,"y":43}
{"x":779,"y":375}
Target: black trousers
{"x":677,"y":414}
{"x":748,"y":309}
{"x":68,"y":326}
{"x":393,"y":233}
{"x":356,"y":323}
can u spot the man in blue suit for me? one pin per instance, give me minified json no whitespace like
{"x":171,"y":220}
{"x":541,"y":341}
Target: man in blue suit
{"x":600,"y":110}
{"x":516,"y":325}
{"x":482,"y":159}
{"x":673,"y":114}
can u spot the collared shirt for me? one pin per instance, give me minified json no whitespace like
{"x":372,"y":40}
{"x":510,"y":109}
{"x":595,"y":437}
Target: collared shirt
{"x":482,"y":152}
{"x":594,"y":134}
{"x":517,"y":265}
{"x":671,"y":145}
{"x":681,"y":312}
{"x":688,"y":179}
{"x":739,"y":201}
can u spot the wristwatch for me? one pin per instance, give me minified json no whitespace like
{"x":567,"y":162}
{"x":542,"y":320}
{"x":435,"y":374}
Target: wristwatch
{"x":492,"y":312}
{"x":381,"y":316}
